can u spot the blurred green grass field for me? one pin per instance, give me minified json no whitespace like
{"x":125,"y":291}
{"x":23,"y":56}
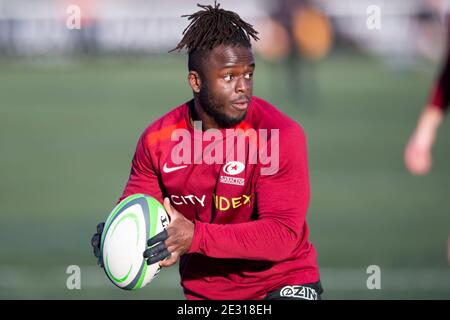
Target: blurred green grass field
{"x":67,"y":136}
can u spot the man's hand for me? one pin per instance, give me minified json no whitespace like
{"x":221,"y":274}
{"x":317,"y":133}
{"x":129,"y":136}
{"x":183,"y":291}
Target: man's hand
{"x":418,"y":157}
{"x":418,"y":152}
{"x":172,"y":242}
{"x":95,"y":242}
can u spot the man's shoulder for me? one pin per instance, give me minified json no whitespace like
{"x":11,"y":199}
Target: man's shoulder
{"x":267,"y":116}
{"x":162,"y":128}
{"x":173,"y":117}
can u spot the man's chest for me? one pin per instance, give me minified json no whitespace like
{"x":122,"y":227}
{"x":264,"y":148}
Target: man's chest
{"x":220,"y":193}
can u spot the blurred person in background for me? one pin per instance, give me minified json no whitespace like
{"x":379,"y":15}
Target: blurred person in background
{"x":418,"y":151}
{"x":284,"y":13}
{"x":85,"y":38}
{"x":296,"y":34}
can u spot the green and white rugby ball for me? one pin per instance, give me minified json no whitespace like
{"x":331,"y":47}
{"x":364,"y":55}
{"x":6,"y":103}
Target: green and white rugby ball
{"x":131,"y":223}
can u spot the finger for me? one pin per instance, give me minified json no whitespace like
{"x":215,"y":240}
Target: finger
{"x":169,"y":209}
{"x":171,"y":261}
{"x":162,"y":255}
{"x":100,"y":227}
{"x":95,"y":241}
{"x":100,"y":262}
{"x":155,"y":250}
{"x":97,"y":252}
{"x":158,"y":238}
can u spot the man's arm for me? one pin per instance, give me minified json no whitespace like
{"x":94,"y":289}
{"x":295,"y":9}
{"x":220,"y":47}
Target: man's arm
{"x":418,"y":151}
{"x":143,"y":177}
{"x":440,"y":95}
{"x":282,"y":200}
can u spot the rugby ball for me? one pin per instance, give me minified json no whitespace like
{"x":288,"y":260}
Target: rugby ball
{"x":131,"y":223}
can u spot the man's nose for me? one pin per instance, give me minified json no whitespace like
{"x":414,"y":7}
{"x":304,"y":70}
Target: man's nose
{"x":242,"y":85}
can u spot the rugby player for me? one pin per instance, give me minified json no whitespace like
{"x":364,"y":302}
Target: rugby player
{"x":237,"y":227}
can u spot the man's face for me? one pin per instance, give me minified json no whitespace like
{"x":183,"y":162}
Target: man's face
{"x":227,"y":84}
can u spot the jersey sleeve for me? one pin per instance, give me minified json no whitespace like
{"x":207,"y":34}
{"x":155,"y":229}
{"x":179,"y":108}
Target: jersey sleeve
{"x":143,"y":177}
{"x":282,"y":202}
{"x":440,"y":94}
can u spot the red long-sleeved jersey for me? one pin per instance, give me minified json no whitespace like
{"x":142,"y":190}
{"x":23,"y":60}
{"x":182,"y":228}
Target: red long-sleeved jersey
{"x":440,"y":94}
{"x":250,"y":235}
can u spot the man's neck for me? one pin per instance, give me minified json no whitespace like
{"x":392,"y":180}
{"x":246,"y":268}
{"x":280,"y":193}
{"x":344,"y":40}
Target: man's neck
{"x":198,"y":114}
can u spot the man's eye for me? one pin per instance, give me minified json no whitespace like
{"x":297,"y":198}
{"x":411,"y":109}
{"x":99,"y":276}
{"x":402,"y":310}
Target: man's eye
{"x":228,"y":77}
{"x":249,"y":75}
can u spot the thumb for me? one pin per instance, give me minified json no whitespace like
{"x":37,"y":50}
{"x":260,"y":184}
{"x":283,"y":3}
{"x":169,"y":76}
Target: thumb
{"x":169,"y":209}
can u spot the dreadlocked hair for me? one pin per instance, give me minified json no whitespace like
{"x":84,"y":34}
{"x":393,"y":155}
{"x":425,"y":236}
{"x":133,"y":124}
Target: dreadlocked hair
{"x":212,"y":27}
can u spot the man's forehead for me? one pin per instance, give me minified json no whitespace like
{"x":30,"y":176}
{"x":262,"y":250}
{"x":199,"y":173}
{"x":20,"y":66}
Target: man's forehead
{"x":231,"y":56}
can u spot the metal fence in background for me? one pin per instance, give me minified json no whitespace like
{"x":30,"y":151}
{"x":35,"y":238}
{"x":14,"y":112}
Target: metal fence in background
{"x":31,"y":28}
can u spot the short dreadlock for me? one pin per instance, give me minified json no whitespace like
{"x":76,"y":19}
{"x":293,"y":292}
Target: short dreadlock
{"x":210,"y":28}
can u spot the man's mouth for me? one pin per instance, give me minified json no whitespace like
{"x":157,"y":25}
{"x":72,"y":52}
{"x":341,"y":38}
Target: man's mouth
{"x":240,"y":105}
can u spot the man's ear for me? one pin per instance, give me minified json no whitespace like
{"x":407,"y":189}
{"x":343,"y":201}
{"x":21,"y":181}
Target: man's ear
{"x":194,"y":81}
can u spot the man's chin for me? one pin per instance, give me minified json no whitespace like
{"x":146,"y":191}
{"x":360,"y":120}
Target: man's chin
{"x":225,"y":120}
{"x":229,"y":122}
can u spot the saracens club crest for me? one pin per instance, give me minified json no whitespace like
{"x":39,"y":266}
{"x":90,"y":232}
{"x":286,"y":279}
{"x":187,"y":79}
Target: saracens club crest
{"x":233,"y":168}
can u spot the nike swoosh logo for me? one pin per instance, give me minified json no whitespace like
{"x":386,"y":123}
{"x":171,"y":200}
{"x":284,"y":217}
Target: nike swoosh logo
{"x":169,"y":170}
